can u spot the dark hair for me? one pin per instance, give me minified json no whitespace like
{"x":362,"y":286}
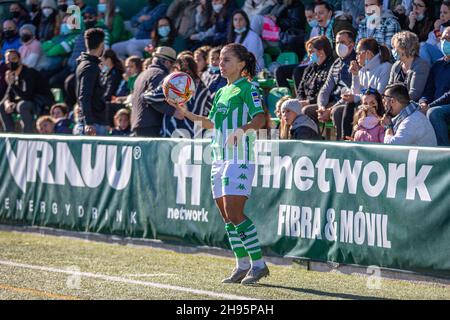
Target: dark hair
{"x":118,"y":65}
{"x":324,"y":3}
{"x":320,"y":43}
{"x":15,"y":51}
{"x":188,"y":65}
{"x":370,"y":44}
{"x":446,"y":3}
{"x":215,"y":50}
{"x":231,"y":34}
{"x":309,"y":7}
{"x":62,"y":106}
{"x":137,"y":62}
{"x":243,"y":54}
{"x":398,"y":91}
{"x":349,"y":34}
{"x":155,"y":35}
{"x":374,"y":92}
{"x":94,"y":38}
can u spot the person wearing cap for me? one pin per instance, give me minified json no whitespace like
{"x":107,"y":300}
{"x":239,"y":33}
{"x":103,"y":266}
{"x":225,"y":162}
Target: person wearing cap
{"x":147,"y":115}
{"x":301,"y":126}
{"x":50,"y":22}
{"x":30,"y":51}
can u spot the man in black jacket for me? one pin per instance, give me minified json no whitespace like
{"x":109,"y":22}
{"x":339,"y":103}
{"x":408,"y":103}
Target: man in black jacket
{"x":90,"y":90}
{"x":28,"y":93}
{"x":146,"y":118}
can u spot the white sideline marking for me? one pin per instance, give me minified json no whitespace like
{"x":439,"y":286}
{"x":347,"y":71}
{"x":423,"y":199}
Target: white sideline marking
{"x":125,"y":280}
{"x":148,"y":275}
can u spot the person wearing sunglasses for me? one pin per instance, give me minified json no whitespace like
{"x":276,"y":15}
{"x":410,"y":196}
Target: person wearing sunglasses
{"x":403,"y":122}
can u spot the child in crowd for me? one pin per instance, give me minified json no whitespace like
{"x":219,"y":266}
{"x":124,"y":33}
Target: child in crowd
{"x":300,"y":125}
{"x":122,"y":125}
{"x":366,"y":125}
{"x":59,"y":112}
{"x":212,"y":77}
{"x":45,"y":125}
{"x":281,"y":125}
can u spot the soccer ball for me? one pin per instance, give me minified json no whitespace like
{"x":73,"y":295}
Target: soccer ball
{"x":178,"y":87}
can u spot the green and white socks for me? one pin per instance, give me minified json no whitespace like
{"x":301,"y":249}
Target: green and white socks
{"x":244,"y":242}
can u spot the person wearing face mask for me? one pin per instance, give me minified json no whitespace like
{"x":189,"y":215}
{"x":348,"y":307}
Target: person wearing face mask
{"x":211,"y":77}
{"x":409,"y":68}
{"x":19,"y":14}
{"x":217,"y":34}
{"x":28,"y":92}
{"x":434,"y":37}
{"x":181,"y":13}
{"x":35,"y":12}
{"x":11,"y":38}
{"x":403,"y":122}
{"x":339,"y":79}
{"x":379,"y":23}
{"x":436,"y":98}
{"x":30,"y":51}
{"x":240,"y":32}
{"x":165,"y":35}
{"x":50,"y":22}
{"x":321,"y":55}
{"x":110,"y":15}
{"x":143,"y":21}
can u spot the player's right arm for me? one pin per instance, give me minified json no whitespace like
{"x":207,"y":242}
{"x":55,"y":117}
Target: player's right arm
{"x":204,"y":121}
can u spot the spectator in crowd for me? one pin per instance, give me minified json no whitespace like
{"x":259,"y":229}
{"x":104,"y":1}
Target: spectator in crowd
{"x":300,"y":126}
{"x":371,"y":69}
{"x":111,"y":16}
{"x":434,"y":37}
{"x":355,"y":8}
{"x":436,"y":99}
{"x":3,"y":84}
{"x":35,"y":13}
{"x":58,"y":48}
{"x":212,"y":78}
{"x":112,"y":71}
{"x":133,"y":68}
{"x":240,"y":32}
{"x":367,"y":121}
{"x":19,"y":14}
{"x":409,"y":68}
{"x":45,"y":125}
{"x":145,"y":20}
{"x":255,"y":7}
{"x":200,"y":104}
{"x":217,"y":34}
{"x":62,"y":5}
{"x":90,"y":91}
{"x":201,"y":59}
{"x":50,"y":23}
{"x":27,"y":94}
{"x":122,"y":123}
{"x":11,"y":38}
{"x":283,"y":128}
{"x":146,"y":119}
{"x":164,"y":34}
{"x":30,"y":51}
{"x":181,"y":13}
{"x":379,"y":23}
{"x":315,"y":75}
{"x":404,"y":123}
{"x":339,"y":79}
{"x":203,"y":14}
{"x":59,"y":113}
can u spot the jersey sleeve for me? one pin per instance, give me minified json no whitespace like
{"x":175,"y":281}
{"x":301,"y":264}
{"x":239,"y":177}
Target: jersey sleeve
{"x":253,"y":101}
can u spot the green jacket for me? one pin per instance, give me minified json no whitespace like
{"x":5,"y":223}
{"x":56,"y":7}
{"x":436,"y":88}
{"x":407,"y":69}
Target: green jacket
{"x":60,"y":45}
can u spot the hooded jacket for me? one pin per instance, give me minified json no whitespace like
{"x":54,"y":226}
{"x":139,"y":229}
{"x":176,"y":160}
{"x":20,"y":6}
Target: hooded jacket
{"x":369,"y":130}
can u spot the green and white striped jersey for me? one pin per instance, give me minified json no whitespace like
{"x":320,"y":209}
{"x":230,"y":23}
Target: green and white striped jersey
{"x":234,"y":106}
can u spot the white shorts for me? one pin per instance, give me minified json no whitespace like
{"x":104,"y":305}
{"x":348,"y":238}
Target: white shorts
{"x":231,"y":179}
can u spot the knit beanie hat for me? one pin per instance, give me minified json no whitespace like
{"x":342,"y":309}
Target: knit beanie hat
{"x":49,"y":4}
{"x":293,"y":105}
{"x":28,"y":27}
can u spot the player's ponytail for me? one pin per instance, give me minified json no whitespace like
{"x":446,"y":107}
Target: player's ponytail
{"x":243,"y":54}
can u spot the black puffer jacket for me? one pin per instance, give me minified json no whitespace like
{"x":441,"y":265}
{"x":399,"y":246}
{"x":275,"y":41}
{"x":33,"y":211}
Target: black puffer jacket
{"x":90,"y":90}
{"x":314,"y":77}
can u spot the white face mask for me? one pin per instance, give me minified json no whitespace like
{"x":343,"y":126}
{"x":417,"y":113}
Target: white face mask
{"x":217,"y":7}
{"x":342,"y":50}
{"x":47,"y":12}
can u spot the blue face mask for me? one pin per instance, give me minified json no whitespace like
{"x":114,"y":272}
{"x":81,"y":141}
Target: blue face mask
{"x":313,"y":23}
{"x":395,"y":55}
{"x":164,"y":31}
{"x":314,"y":58}
{"x":65,"y":29}
{"x":101,"y":7}
{"x":445,"y":47}
{"x":105,"y":68}
{"x":214,"y":69}
{"x":241,"y":30}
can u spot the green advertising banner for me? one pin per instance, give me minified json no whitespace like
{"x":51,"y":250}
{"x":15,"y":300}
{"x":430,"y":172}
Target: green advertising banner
{"x":363,"y":204}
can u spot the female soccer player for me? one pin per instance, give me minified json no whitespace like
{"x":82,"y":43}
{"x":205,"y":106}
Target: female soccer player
{"x":236,"y":109}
